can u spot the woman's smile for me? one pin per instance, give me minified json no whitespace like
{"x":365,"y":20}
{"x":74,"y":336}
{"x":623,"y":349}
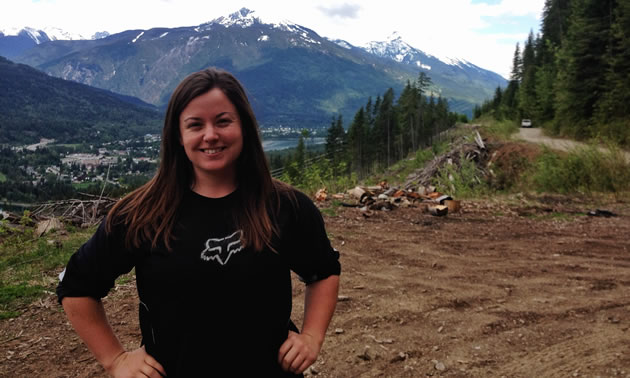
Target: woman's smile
{"x":211,"y":134}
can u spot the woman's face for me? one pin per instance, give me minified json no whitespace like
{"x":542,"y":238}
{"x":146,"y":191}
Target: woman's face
{"x":211,"y":134}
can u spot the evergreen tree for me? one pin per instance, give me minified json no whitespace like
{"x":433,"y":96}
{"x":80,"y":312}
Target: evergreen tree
{"x":336,"y":144}
{"x":423,"y":83}
{"x":555,"y":21}
{"x":496,"y":101}
{"x":613,"y":105}
{"x":527,"y":88}
{"x":385,"y":126}
{"x":407,"y":114}
{"x":357,"y":135}
{"x":517,"y":65}
{"x":580,"y":80}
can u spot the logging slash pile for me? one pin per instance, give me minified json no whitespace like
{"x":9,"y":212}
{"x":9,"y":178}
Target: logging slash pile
{"x":55,"y":214}
{"x":419,"y":190}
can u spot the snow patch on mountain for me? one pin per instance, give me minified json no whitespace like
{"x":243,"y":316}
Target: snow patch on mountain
{"x":56,"y":34}
{"x":243,"y":18}
{"x":424,"y":66}
{"x":191,"y":41}
{"x":342,"y":43}
{"x":50,"y":33}
{"x":306,"y":35}
{"x":263,"y":38}
{"x":461,"y":63}
{"x":100,"y":35}
{"x":394,"y":47}
{"x":397,"y":49}
{"x":137,"y":37}
{"x":38,"y":36}
{"x":34,"y":34}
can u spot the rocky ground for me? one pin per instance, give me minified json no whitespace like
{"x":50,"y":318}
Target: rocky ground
{"x":523,"y":286}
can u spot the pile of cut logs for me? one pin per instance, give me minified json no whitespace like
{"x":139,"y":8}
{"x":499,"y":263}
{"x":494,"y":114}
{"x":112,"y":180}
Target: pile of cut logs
{"x":384,"y":198}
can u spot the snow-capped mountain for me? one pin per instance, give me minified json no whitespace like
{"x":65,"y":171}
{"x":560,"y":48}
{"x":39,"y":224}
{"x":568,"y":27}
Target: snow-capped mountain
{"x":396,"y":49}
{"x":444,"y":71}
{"x":49,"y":33}
{"x":37,"y":36}
{"x":56,"y":34}
{"x":293,"y":74}
{"x":14,"y":41}
{"x":246,"y":18}
{"x":243,"y":18}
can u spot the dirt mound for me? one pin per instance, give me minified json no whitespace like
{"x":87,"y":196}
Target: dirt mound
{"x":508,"y":162}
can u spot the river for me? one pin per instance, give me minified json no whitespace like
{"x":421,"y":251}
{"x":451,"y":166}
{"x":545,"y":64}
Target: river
{"x":274,"y":144}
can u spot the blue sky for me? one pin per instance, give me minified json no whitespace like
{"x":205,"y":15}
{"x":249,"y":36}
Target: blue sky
{"x":482,"y":32}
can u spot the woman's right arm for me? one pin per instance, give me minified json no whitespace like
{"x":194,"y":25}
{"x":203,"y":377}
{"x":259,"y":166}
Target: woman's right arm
{"x":88,"y":318}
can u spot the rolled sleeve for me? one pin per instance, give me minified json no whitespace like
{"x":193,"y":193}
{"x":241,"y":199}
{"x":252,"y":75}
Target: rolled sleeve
{"x":92,"y":270}
{"x":310,"y":253}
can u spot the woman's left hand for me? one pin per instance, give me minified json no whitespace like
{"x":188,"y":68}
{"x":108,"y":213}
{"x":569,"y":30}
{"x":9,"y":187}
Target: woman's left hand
{"x":298,"y":352}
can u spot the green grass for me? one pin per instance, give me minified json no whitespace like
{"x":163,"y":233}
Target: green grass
{"x":560,"y":216}
{"x":399,"y":171}
{"x":12,"y":297}
{"x":3,"y":177}
{"x":126,"y":278}
{"x":29,"y":265}
{"x":585,"y":170}
{"x":499,"y":129}
{"x":329,"y":211}
{"x":463,"y":181}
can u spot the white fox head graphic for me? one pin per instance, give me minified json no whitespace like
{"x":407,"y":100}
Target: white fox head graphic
{"x":221,"y":250}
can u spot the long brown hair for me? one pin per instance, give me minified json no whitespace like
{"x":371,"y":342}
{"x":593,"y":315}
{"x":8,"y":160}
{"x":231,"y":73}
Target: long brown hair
{"x":149,"y":212}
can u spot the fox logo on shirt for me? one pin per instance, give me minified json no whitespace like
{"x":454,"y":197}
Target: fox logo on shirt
{"x":221,"y":250}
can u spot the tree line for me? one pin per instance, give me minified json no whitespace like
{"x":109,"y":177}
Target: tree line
{"x":382,"y":132}
{"x":573,"y":78}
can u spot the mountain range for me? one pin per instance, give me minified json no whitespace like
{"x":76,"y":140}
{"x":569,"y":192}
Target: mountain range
{"x":294,"y":76}
{"x":34,"y":105}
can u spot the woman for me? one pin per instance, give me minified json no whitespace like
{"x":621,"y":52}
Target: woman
{"x":213,"y":240}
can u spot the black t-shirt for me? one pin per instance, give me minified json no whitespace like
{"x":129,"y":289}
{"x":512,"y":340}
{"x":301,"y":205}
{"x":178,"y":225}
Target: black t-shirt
{"x":211,"y":305}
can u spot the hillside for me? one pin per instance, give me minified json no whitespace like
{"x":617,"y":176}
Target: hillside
{"x":294,"y":76}
{"x":34,"y":105}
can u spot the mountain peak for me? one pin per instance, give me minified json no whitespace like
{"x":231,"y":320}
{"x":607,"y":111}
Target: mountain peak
{"x":48,"y":33}
{"x":100,"y":35}
{"x":393,"y":47}
{"x":243,"y":17}
{"x":56,"y":34}
{"x":395,"y":36}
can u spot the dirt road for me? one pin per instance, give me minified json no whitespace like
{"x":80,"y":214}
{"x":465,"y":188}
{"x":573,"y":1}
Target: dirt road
{"x":523,"y":287}
{"x":535,"y":135}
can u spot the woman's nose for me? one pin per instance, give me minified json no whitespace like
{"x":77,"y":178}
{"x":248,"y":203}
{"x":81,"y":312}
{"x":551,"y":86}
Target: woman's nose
{"x":209,"y":133}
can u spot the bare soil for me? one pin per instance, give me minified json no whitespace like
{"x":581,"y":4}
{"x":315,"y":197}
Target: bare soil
{"x":536,"y":135}
{"x":522,"y":286}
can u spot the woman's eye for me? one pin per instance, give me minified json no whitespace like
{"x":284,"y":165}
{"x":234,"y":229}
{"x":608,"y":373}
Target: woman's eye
{"x":224,"y":122}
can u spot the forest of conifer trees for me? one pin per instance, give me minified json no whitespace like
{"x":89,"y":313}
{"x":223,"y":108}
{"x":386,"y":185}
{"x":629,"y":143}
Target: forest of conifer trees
{"x":381,"y":133}
{"x":573,"y":78}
